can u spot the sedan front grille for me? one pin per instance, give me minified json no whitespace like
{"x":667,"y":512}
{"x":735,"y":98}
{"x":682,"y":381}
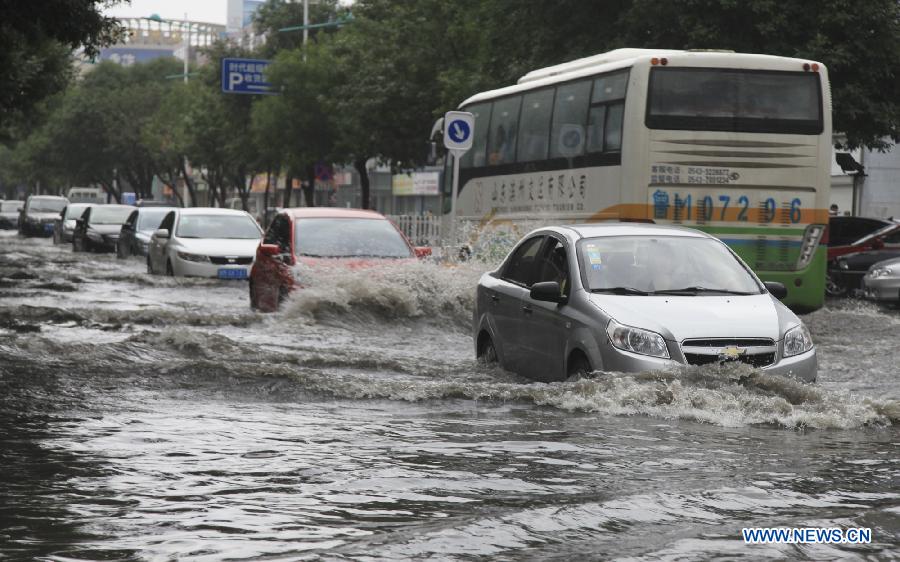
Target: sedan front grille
{"x":243,"y":260}
{"x":756,"y":352}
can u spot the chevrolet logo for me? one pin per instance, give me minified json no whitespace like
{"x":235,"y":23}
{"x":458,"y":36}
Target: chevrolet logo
{"x":731,"y":353}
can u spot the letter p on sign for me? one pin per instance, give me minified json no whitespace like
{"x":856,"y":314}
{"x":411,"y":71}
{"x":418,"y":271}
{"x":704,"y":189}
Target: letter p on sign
{"x":235,"y":79}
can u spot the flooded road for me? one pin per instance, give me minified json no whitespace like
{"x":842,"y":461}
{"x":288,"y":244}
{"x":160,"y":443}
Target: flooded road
{"x":156,"y":418}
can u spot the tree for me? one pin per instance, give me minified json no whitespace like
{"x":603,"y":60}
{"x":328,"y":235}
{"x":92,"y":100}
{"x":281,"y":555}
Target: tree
{"x":36,"y":42}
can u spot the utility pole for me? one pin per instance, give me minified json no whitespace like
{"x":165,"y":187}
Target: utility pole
{"x":186,"y":33}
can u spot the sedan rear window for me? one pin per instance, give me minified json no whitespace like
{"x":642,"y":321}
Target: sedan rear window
{"x":47,"y":204}
{"x":662,"y":263}
{"x":349,"y":238}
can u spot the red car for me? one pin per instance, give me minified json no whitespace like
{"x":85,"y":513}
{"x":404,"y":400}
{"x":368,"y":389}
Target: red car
{"x":310,"y":235}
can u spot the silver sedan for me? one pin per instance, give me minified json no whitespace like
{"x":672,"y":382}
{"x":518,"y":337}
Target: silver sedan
{"x":882,"y":281}
{"x":569,"y":300}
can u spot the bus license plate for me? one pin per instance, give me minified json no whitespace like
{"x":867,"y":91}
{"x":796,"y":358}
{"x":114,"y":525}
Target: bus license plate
{"x":226,"y":273}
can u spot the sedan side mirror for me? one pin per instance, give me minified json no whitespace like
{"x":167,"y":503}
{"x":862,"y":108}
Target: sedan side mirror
{"x":778,"y":290}
{"x":548,"y":291}
{"x":161,"y":233}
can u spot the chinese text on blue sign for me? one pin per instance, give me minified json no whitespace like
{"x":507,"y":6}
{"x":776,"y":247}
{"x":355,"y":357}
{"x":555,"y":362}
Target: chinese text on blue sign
{"x":245,"y":76}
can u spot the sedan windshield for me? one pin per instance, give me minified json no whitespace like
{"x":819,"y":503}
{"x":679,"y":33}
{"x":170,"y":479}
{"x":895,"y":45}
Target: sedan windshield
{"x":679,"y":265}
{"x":240,"y":227}
{"x":345,"y":238}
{"x":109,"y":214}
{"x":47,"y":205}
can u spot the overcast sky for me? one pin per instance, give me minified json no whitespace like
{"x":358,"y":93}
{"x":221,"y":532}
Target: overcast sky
{"x":207,"y":11}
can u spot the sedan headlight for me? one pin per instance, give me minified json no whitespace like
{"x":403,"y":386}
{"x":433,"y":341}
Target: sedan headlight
{"x":192,"y":257}
{"x":637,"y":340}
{"x":877,"y":272}
{"x":797,"y":340}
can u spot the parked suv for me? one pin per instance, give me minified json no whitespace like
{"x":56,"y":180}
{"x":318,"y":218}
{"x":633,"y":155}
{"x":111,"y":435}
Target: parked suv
{"x":39,"y":214}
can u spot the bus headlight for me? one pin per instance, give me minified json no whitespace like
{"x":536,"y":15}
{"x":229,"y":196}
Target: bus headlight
{"x":811,"y":238}
{"x":797,"y":340}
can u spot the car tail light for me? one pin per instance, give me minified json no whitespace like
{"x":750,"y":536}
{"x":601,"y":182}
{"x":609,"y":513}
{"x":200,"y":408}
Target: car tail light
{"x":811,"y":238}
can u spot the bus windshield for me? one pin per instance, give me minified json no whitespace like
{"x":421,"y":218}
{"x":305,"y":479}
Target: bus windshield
{"x":751,"y":101}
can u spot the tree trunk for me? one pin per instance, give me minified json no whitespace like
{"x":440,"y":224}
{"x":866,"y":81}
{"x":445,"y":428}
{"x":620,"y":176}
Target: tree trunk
{"x":360,"y":165}
{"x":265,"y":213}
{"x":288,"y":189}
{"x":189,"y":183}
{"x":309,"y":188}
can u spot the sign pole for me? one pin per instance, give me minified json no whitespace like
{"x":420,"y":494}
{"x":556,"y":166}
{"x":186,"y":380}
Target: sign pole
{"x":454,"y":193}
{"x":458,"y":127}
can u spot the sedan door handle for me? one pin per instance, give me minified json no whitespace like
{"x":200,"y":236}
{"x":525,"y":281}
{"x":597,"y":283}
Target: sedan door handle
{"x":527,"y":309}
{"x":495,"y":298}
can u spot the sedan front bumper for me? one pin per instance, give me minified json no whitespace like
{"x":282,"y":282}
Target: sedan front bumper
{"x":882,"y":289}
{"x":185,"y":268}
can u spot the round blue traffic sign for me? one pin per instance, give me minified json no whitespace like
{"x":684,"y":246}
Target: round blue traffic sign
{"x":459,"y":131}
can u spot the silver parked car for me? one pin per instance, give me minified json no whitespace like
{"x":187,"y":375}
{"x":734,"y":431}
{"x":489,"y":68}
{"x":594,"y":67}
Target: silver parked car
{"x":882,"y":281}
{"x":64,"y":225}
{"x":626,"y":297}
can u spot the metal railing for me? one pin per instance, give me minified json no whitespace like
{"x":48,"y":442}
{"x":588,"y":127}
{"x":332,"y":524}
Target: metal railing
{"x":422,"y":230}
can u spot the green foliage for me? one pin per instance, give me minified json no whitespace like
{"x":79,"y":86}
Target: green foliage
{"x":36,"y":42}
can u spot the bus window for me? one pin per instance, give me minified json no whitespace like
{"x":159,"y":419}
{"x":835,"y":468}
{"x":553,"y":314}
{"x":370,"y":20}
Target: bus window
{"x":504,"y":125}
{"x":596,"y":121}
{"x":612,"y":139}
{"x":534,"y":129}
{"x":606,"y":114}
{"x":736,"y":100}
{"x":610,"y":87}
{"x":571,"y":105}
{"x":475,"y":158}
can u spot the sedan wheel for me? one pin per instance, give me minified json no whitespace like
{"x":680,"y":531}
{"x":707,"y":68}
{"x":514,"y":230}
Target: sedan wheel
{"x":579,"y":366}
{"x":487,"y":353}
{"x":833,"y":286}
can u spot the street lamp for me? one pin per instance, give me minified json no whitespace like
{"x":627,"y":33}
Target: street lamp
{"x":185,"y":33}
{"x":850,"y":166}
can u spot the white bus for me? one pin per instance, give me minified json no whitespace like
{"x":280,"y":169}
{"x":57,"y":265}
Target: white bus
{"x":738,"y":145}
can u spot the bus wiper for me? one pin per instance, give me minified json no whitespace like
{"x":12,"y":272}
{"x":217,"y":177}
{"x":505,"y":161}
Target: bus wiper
{"x":620,"y":291}
{"x":696,"y":290}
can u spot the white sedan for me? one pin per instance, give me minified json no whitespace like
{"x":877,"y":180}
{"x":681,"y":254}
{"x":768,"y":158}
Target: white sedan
{"x":204,"y":242}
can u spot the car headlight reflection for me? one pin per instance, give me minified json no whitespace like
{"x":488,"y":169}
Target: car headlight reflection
{"x":192,"y":257}
{"x":637,"y":340}
{"x":880,"y":272}
{"x":797,"y":340}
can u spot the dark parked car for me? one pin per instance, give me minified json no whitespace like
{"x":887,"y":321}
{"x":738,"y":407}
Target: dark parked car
{"x":98,"y":228}
{"x":845,"y":233}
{"x":9,"y":213}
{"x":39,"y":214}
{"x":846,"y":270}
{"x":134,"y":238}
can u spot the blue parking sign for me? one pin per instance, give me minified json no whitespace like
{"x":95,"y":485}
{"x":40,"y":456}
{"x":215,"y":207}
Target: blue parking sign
{"x":245,"y":76}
